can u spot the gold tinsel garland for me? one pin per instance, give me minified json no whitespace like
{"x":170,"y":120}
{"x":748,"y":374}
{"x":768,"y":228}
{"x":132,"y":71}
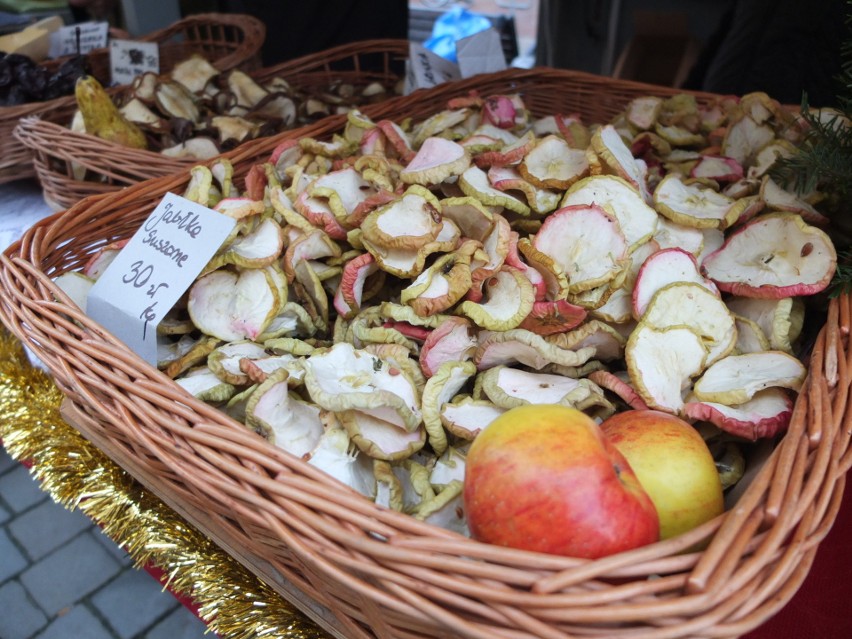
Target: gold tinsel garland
{"x":75,"y":473}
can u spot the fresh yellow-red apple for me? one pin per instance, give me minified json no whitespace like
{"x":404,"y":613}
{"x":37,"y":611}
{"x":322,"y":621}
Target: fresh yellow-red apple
{"x":544,"y":478}
{"x":673,"y":464}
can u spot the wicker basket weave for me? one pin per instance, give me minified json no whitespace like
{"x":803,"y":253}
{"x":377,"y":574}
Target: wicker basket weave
{"x":384,"y":574}
{"x":109,"y":166}
{"x":227,"y":40}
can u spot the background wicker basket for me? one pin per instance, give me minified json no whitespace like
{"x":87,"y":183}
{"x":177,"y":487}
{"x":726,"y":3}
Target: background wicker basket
{"x":227,"y":40}
{"x":363,"y":571}
{"x":56,"y":149}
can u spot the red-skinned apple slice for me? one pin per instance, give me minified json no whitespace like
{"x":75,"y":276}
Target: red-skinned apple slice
{"x":718,"y":168}
{"x":547,"y":318}
{"x":453,"y":340}
{"x":735,"y":379}
{"x":522,"y":346}
{"x":777,"y":199}
{"x":347,"y":299}
{"x":614,"y":384}
{"x":435,"y":161}
{"x":764,"y":415}
{"x":552,"y":164}
{"x":662,"y":268}
{"x":693,"y":203}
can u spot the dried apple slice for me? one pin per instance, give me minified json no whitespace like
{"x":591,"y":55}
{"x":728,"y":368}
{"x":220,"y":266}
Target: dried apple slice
{"x":607,"y":342}
{"x":693,"y":203}
{"x":780,"y":320}
{"x":224,"y":361}
{"x":637,"y":220}
{"x":348,"y":298}
{"x":642,"y":112}
{"x":777,"y":199}
{"x":203,"y":384}
{"x":764,"y":415}
{"x":343,"y":378}
{"x":611,"y":149}
{"x":586,"y":242}
{"x":440,"y":286}
{"x":550,"y":317}
{"x":718,"y":168}
{"x":398,"y":139}
{"x":624,"y":391}
{"x":661,"y":363}
{"x":345,"y":190}
{"x":465,"y":417}
{"x":673,"y":235}
{"x":735,"y":379}
{"x":750,"y":337}
{"x":474,"y":182}
{"x":510,"y":387}
{"x":239,"y":207}
{"x":510,"y":298}
{"x":664,"y":267}
{"x":438,"y":123}
{"x":773,"y":256}
{"x":435,"y":161}
{"x":472,"y":217}
{"x":379,"y":439}
{"x":335,"y":455}
{"x":518,"y":345}
{"x":507,"y":178}
{"x":703,"y":311}
{"x":410,"y":222}
{"x":311,"y":246}
{"x":453,"y":340}
{"x":553,"y":164}
{"x":744,"y":139}
{"x":505,"y":154}
{"x":260,"y":246}
{"x":440,"y":389}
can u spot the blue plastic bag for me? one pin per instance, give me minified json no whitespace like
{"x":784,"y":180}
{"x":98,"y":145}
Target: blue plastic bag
{"x":452,"y":26}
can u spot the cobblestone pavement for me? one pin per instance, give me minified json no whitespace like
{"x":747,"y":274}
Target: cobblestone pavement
{"x":62,"y":578}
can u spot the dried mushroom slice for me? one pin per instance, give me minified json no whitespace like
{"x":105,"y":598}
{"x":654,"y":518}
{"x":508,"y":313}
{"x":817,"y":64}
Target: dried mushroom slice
{"x":524,"y":347}
{"x":661,"y":363}
{"x":465,"y":417}
{"x":452,"y":340}
{"x":233,"y":129}
{"x":586,"y":242}
{"x":344,"y":378}
{"x":435,"y":161}
{"x":735,"y":379}
{"x":764,"y":415}
{"x":176,"y":101}
{"x":234,"y":305}
{"x":510,"y":298}
{"x":511,"y":387}
{"x":203,"y":384}
{"x":777,"y":199}
{"x":780,"y":320}
{"x":692,"y":305}
{"x":637,"y":220}
{"x":694,"y":203}
{"x":474,"y":183}
{"x":773,"y":256}
{"x":200,"y":148}
{"x":379,"y":439}
{"x":664,"y":267}
{"x":246,"y":91}
{"x":553,"y":164}
{"x":410,"y":222}
{"x":194,"y":72}
{"x":441,"y":387}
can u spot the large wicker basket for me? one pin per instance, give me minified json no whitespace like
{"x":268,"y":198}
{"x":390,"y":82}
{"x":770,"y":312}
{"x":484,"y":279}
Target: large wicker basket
{"x":227,"y":40}
{"x":363,"y":571}
{"x":110,"y":166}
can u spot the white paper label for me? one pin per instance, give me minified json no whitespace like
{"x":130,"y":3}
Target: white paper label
{"x":129,"y":58}
{"x":156,"y":267}
{"x":63,"y":41}
{"x":427,"y":69}
{"x":481,"y":52}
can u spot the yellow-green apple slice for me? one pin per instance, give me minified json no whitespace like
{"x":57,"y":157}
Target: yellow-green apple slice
{"x":410,"y":222}
{"x":224,"y":361}
{"x":506,"y":154}
{"x":317,"y":211}
{"x":405,"y":262}
{"x":621,"y":388}
{"x":309,"y":289}
{"x":349,"y":294}
{"x":718,"y":168}
{"x":452,"y":340}
{"x":609,"y":146}
{"x":195,"y":355}
{"x":398,"y":139}
{"x":507,"y":178}
{"x":664,"y":267}
{"x":693,"y":203}
{"x":169,"y":351}
{"x":440,"y":286}
{"x":554,"y":279}
{"x":344,"y":378}
{"x":744,"y":139}
{"x":750,"y":337}
{"x":291,"y":321}
{"x":773,"y":256}
{"x":435,"y":161}
{"x":693,"y":305}
{"x":495,"y":250}
{"x":474,"y":183}
{"x":509,"y":298}
{"x":258,"y":370}
{"x":441,"y":387}
{"x":742,"y":188}
{"x":311,"y":247}
{"x":337,"y":147}
{"x":445,"y":510}
{"x":449,"y":466}
{"x":553,"y":164}
{"x":402,"y":358}
{"x":379,"y":439}
{"x":203,"y":384}
{"x":679,"y":136}
{"x":673,"y":235}
{"x":712,"y":239}
{"x":637,"y":220}
{"x":764,"y":415}
{"x":618,"y":306}
{"x":402,"y":313}
{"x":438,"y":123}
{"x":234,"y":306}
{"x":777,"y":199}
{"x":336,"y":455}
{"x":641,"y":113}
{"x":524,"y":347}
{"x":735,"y":379}
{"x":290,"y":346}
{"x":586,"y":242}
{"x":465,"y":417}
{"x":388,"y":486}
{"x":504,"y":135}
{"x":661,"y":363}
{"x":479,"y":143}
{"x":473,"y":218}
{"x":550,"y":317}
{"x":780,"y":320}
{"x":768,"y":155}
{"x":607,"y":342}
{"x":510,"y":387}
{"x":344,"y":191}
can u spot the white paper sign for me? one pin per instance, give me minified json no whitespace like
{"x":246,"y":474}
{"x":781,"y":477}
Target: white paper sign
{"x":129,"y":58}
{"x":480,"y":53}
{"x":154,"y":269}
{"x":427,"y":69}
{"x":63,"y":41}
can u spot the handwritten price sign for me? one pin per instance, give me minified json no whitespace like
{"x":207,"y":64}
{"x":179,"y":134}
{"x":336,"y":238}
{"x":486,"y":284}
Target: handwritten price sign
{"x":154,"y":269}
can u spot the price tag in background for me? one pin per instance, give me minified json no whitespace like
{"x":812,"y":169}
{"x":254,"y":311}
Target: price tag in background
{"x":156,"y":267}
{"x":129,"y":58}
{"x":426,"y":69}
{"x":63,"y":41}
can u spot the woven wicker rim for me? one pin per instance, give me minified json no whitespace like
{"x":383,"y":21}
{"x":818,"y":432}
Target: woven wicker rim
{"x":385,"y":574}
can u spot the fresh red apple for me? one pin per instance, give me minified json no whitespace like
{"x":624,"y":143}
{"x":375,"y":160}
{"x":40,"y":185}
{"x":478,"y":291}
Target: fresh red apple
{"x":544,"y":478}
{"x":673,"y":464}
